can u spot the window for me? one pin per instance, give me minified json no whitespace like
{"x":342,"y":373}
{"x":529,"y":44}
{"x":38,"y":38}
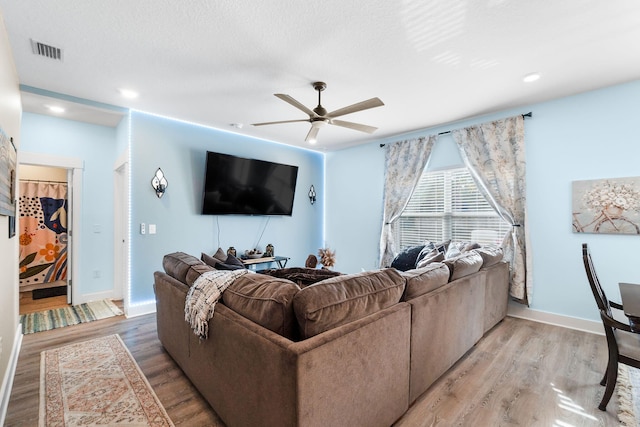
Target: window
{"x":446,"y":204}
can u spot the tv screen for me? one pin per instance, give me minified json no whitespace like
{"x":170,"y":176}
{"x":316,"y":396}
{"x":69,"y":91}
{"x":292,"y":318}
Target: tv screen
{"x":239,"y":186}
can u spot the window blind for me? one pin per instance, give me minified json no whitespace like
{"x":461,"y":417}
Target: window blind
{"x":446,"y":204}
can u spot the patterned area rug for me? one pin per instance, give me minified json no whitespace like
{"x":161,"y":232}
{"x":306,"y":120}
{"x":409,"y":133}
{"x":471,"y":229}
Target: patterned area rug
{"x":96,"y":382}
{"x":66,"y":316}
{"x":629,"y":394}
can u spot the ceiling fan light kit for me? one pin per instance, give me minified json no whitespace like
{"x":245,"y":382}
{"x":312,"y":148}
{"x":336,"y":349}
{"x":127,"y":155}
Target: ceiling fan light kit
{"x":319,"y":118}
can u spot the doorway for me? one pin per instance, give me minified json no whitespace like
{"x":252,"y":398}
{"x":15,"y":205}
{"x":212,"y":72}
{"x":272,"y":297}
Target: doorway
{"x":42,"y":221}
{"x":47,"y":215}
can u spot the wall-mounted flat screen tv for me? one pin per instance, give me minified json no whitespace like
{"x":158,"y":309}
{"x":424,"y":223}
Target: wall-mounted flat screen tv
{"x":240,"y":186}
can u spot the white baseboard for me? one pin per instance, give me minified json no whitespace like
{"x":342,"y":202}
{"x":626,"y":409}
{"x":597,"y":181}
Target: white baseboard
{"x":7,"y":382}
{"x":96,"y":296}
{"x":140,"y":309}
{"x":522,"y":312}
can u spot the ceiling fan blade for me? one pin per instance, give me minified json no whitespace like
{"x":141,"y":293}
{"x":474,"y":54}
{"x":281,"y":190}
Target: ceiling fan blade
{"x":312,"y":136}
{"x":355,"y":126}
{"x":364,"y":105}
{"x":298,"y":105}
{"x":282,"y":121}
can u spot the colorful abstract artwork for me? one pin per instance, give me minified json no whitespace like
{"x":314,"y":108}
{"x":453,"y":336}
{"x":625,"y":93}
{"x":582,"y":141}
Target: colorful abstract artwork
{"x":43,"y":232}
{"x":607,"y":206}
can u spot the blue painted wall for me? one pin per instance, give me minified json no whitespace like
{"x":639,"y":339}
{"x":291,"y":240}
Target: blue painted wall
{"x":180,"y":148}
{"x":95,"y":145}
{"x":587,"y":136}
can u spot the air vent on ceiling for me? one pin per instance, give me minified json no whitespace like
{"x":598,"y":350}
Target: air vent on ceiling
{"x":46,"y":50}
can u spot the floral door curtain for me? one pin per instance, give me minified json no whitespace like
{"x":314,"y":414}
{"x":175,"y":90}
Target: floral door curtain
{"x":43,"y":232}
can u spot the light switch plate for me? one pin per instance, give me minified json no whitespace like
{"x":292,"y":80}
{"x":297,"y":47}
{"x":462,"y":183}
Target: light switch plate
{"x":152,"y":229}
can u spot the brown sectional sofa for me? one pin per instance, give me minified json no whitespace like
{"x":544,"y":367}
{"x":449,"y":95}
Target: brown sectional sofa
{"x":352,"y":350}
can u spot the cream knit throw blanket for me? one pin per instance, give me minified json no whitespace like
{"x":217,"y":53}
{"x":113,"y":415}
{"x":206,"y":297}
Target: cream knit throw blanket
{"x":203,"y":296}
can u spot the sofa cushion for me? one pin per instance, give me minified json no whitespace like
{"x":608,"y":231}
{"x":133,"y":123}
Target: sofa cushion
{"x":184,"y":267}
{"x":463,"y":265}
{"x":302,"y":276}
{"x":490,"y":255}
{"x":343,"y":299}
{"x":265,"y":300}
{"x":406,"y":259}
{"x":424,"y":280}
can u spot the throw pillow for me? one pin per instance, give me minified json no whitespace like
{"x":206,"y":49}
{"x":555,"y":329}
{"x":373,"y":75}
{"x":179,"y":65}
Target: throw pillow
{"x":406,"y":260}
{"x":434,"y":255}
{"x":230,"y":263}
{"x":220,"y":255}
{"x":209,"y":260}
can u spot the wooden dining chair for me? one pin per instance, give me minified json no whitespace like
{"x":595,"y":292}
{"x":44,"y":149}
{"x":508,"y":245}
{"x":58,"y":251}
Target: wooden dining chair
{"x":623,"y":343}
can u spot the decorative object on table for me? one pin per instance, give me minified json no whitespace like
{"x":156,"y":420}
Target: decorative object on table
{"x":253,"y":253}
{"x":607,"y":206}
{"x":312,"y":194}
{"x":159,"y":183}
{"x":269,"y":251}
{"x":97,"y":382}
{"x":327,"y":257}
{"x":311,"y":261}
{"x":231,"y":251}
{"x":8,"y":157}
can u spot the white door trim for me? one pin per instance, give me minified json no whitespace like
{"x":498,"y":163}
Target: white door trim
{"x":121,"y":229}
{"x":76,"y":166}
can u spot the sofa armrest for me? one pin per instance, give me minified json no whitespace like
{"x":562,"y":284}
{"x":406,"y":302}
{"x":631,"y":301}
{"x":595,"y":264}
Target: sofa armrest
{"x":173,"y":331}
{"x":496,"y":299}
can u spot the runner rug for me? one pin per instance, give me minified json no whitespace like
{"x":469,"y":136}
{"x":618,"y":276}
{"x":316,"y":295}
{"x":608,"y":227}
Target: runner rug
{"x":628,"y":386}
{"x":96,"y":382}
{"x":66,"y":316}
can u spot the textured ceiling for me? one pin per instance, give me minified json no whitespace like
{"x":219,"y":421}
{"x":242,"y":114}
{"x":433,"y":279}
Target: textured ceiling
{"x":220,"y":62}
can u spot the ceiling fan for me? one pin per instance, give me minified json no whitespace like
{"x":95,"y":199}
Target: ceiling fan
{"x":318,"y":117}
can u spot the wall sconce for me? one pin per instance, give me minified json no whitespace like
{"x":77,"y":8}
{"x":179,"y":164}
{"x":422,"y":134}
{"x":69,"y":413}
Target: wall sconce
{"x":159,"y":183}
{"x":312,"y":194}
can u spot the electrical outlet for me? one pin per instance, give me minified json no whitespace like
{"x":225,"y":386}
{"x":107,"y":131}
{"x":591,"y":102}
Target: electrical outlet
{"x":143,"y":228}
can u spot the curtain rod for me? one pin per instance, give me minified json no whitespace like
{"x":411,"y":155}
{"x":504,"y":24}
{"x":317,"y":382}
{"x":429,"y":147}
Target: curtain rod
{"x":43,"y":182}
{"x":525,"y":115}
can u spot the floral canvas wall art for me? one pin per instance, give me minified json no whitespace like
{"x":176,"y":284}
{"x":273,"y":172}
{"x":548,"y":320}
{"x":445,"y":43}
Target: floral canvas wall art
{"x":607,"y":206}
{"x":7,"y":175}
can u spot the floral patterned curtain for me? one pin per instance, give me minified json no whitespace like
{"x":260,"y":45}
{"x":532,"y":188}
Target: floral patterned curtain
{"x":43,"y":232}
{"x":494,"y":152}
{"x":404,"y":163}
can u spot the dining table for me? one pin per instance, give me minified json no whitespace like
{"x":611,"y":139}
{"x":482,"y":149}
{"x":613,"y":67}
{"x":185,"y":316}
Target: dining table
{"x":630,"y":296}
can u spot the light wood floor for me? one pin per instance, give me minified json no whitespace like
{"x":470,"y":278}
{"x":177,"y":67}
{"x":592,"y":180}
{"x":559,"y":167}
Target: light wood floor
{"x":30,"y":305}
{"x":521,"y":374}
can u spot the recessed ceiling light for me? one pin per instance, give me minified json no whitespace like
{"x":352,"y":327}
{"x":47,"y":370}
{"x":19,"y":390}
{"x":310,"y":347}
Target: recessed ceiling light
{"x":127,"y":93}
{"x":532,"y":77}
{"x":55,"y":109}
